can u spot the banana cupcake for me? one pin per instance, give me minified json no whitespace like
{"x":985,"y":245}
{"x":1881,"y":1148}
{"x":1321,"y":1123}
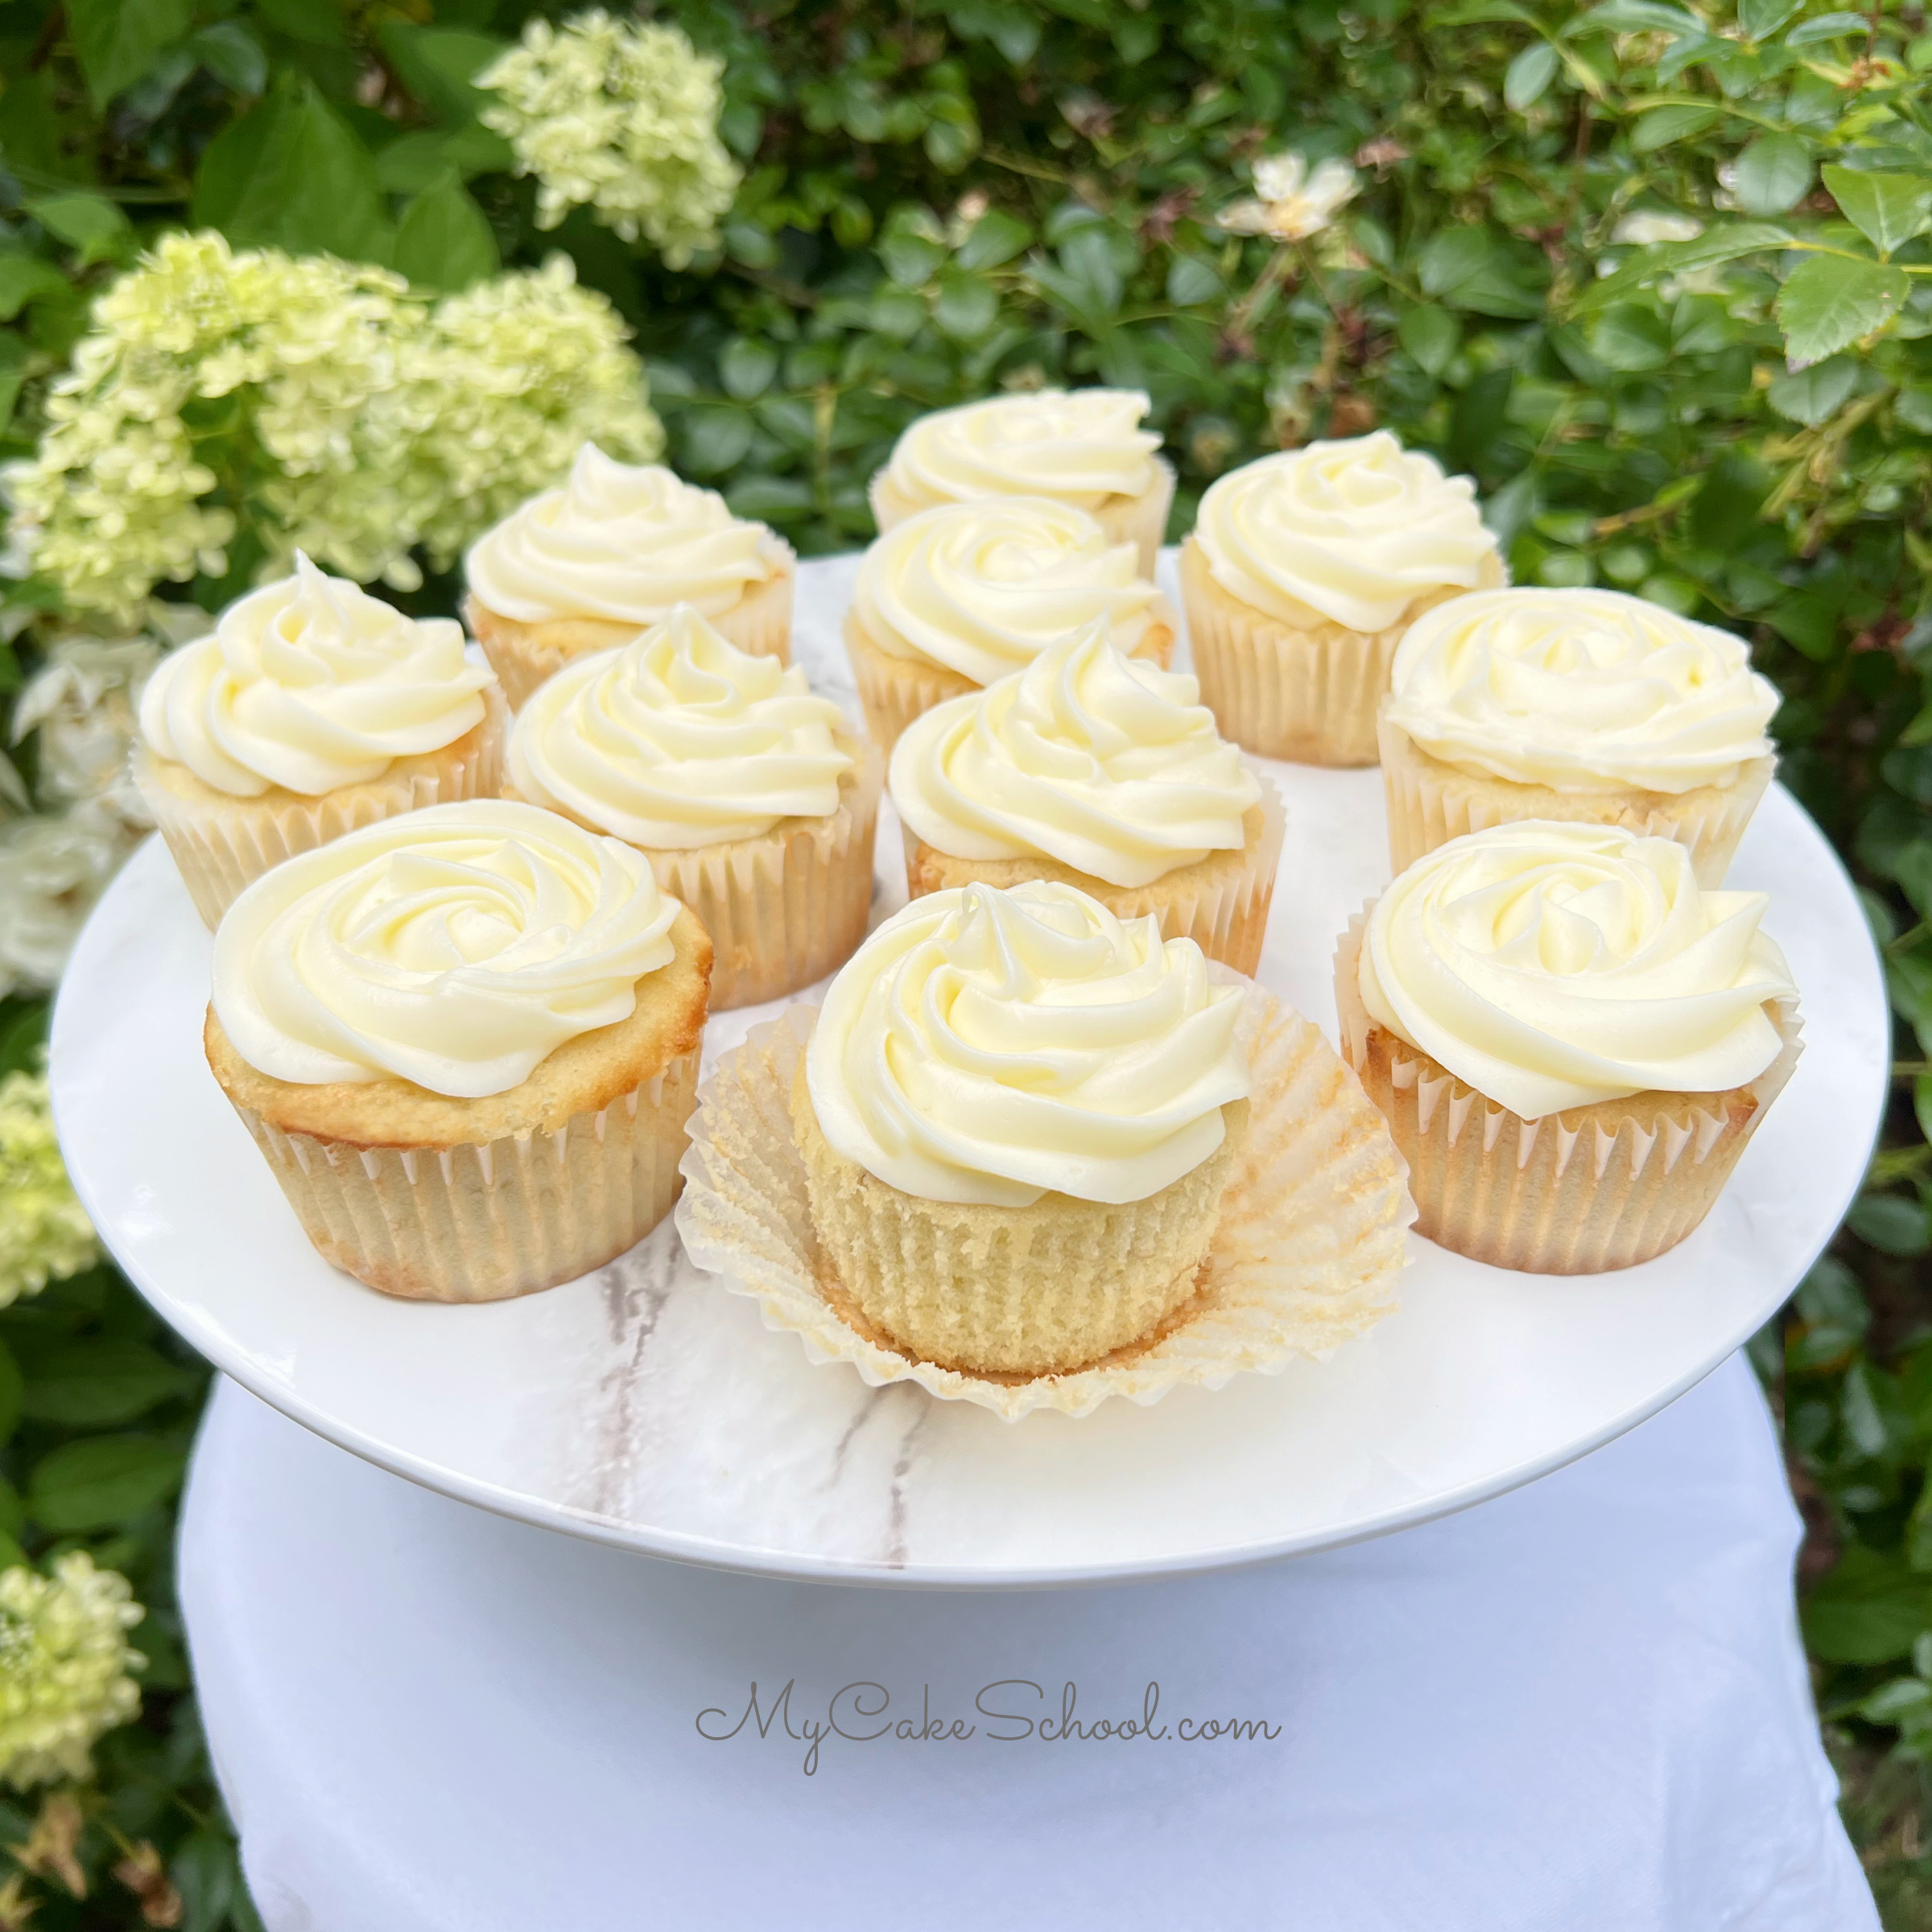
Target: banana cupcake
{"x":1571,"y":1039}
{"x":1017,"y":1115}
{"x":1099,"y":771}
{"x":1083,"y":448}
{"x":587,"y":566}
{"x":753,"y":799}
{"x":466,"y":1041}
{"x":1584,"y":704}
{"x":1302,"y":573}
{"x":314,"y":708}
{"x":954,"y":598}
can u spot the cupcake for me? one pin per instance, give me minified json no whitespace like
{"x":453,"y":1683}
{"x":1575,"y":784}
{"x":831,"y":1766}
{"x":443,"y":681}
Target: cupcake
{"x":1571,"y":1040}
{"x":586,"y":566}
{"x":313,"y":709}
{"x":1083,"y":448}
{"x":753,"y":799}
{"x":955,"y":598}
{"x":1584,"y":704}
{"x":1302,"y":573}
{"x":467,"y":1042}
{"x":1099,"y":771}
{"x":1018,"y":1115}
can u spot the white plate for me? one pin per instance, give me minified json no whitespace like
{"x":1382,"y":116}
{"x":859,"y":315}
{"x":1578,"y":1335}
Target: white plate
{"x":644,"y":1406}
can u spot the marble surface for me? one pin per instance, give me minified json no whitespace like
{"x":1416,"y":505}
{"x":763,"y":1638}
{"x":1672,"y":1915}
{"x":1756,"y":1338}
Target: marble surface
{"x":646,"y":1407}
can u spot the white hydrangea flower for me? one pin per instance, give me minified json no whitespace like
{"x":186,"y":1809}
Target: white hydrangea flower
{"x":620,"y":117}
{"x":64,"y":1667}
{"x":44,"y":1232}
{"x":83,"y":702}
{"x":1289,"y":202}
{"x":52,"y":871}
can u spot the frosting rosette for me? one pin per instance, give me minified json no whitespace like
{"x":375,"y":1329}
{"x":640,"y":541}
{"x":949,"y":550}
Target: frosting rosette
{"x":312,"y":684}
{"x":1553,"y":965}
{"x":1580,"y":691}
{"x":622,"y":541}
{"x":456,"y":947}
{"x":1077,"y":446}
{"x":983,"y":588}
{"x":1105,"y":762}
{"x":990,"y":1046}
{"x":678,"y":740}
{"x":1353,"y":532}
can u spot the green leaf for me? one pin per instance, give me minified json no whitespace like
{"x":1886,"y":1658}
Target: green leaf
{"x":232,"y":54}
{"x":101,"y":1480}
{"x":101,"y":1383}
{"x":89,"y":223}
{"x":1528,"y":76}
{"x":439,"y":64}
{"x":408,"y":166}
{"x":966,"y":309}
{"x":1921,"y":1103}
{"x":1665,"y":258}
{"x":1191,"y":282}
{"x":316,"y":22}
{"x":716,"y":439}
{"x":1868,"y":1609}
{"x":1636,"y":17}
{"x":204,"y":1873}
{"x":1888,"y":210}
{"x":1431,"y":336}
{"x":115,"y":41}
{"x":25,"y":278}
{"x":1810,"y":395}
{"x":12,"y":1386}
{"x":1659,"y":126}
{"x":1828,"y":303}
{"x":1471,"y":269}
{"x":994,"y":238}
{"x":1773,"y":174}
{"x":746,"y":367}
{"x":1891,"y":1223}
{"x":1828,"y":26}
{"x":1631,"y":338}
{"x":1761,"y":18}
{"x":444,"y":241}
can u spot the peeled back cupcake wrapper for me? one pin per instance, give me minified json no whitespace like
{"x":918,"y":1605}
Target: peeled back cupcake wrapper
{"x":1431,"y":803}
{"x":1310,"y":1241}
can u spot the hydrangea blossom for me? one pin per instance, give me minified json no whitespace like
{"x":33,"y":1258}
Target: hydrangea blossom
{"x":620,"y":117}
{"x":64,"y":1667}
{"x":44,"y":1233}
{"x":52,"y":871}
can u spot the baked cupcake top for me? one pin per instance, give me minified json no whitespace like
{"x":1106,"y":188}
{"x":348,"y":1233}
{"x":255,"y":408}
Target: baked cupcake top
{"x":312,"y":684}
{"x":678,"y":739}
{"x":1105,"y":762}
{"x":622,"y":541}
{"x":983,"y":588}
{"x":1077,"y":446}
{"x":993,"y":1046}
{"x":1550,"y":966}
{"x":1581,"y":690}
{"x":1351,"y":532}
{"x":456,"y":947}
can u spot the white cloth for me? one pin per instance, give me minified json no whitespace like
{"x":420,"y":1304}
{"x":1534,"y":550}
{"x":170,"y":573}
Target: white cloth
{"x":1581,"y":1707}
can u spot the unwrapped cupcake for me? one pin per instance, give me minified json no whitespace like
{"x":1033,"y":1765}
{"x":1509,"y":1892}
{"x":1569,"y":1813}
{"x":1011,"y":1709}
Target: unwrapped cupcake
{"x":954,"y":598}
{"x":1102,"y":771}
{"x":467,"y":1042}
{"x":1302,"y":573}
{"x":1571,"y":1039}
{"x":314,"y":708}
{"x":1585,"y":704}
{"x":1082,"y":447}
{"x":587,"y":566}
{"x":754,"y":800}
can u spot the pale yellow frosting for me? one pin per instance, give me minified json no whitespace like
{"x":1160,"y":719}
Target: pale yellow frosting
{"x":456,"y":947}
{"x":1552,"y":966}
{"x":1352,"y":532}
{"x":1105,"y":762}
{"x":1077,"y":446}
{"x":983,"y":588}
{"x":678,"y":740}
{"x":993,"y":1046}
{"x":312,"y":684}
{"x":621,"y":541}
{"x":1581,"y":690}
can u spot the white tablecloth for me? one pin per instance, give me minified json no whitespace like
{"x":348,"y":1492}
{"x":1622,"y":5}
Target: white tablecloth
{"x":1581,"y":1707}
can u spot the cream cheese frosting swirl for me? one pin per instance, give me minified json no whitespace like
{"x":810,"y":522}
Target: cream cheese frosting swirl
{"x":621,"y":541}
{"x":1107,"y":763}
{"x":982,"y":589}
{"x":311,"y":683}
{"x":1552,"y":966}
{"x":678,"y":739}
{"x":1352,"y":531}
{"x":993,"y":1046}
{"x":456,"y":947}
{"x":1581,"y":690}
{"x":1077,"y":446}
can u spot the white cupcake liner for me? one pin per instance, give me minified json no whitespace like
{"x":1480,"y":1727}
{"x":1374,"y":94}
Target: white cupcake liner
{"x":1310,"y":1241}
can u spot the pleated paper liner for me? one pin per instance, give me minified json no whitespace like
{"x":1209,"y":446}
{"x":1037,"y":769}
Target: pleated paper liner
{"x":1220,"y":903}
{"x":1310,"y":1240}
{"x":221,"y":843}
{"x":1431,"y":803}
{"x":1582,"y":1191}
{"x":486,"y":1222}
{"x":523,"y":655}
